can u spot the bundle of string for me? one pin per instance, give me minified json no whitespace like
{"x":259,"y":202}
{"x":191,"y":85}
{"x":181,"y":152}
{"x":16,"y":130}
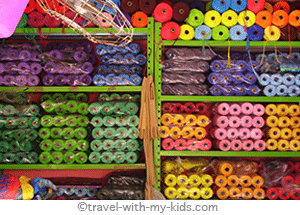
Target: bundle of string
{"x":91,"y":12}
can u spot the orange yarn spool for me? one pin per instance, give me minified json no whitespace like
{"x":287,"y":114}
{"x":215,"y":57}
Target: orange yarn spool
{"x":282,"y":5}
{"x":294,"y":18}
{"x":268,"y":7}
{"x":264,"y":18}
{"x":280,"y":18}
{"x":139,"y":19}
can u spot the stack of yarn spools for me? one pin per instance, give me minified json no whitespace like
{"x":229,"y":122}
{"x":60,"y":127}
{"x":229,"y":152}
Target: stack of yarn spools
{"x":115,"y":132}
{"x":64,"y":128}
{"x":19,"y":132}
{"x":73,"y":192}
{"x":119,"y":66}
{"x":68,"y":64}
{"x":238,"y":127}
{"x":283,"y":127}
{"x":20,"y":64}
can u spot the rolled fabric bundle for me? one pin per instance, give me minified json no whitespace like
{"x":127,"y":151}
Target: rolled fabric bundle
{"x":36,"y":19}
{"x":130,"y":6}
{"x":195,"y":18}
{"x":256,"y":6}
{"x":247,"y":18}
{"x":170,"y":31}
{"x":139,"y":19}
{"x":281,"y":5}
{"x":181,"y":11}
{"x":221,"y":6}
{"x":203,"y":32}
{"x":229,"y":18}
{"x":212,"y":18}
{"x":238,"y":33}
{"x":280,"y":18}
{"x":187,"y":32}
{"x":163,"y":12}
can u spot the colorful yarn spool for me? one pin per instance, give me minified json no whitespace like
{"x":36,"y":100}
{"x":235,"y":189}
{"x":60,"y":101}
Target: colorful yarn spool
{"x":31,"y":6}
{"x":163,"y":12}
{"x":59,"y":7}
{"x":220,"y":33}
{"x":147,"y":6}
{"x":221,"y":5}
{"x":195,"y":18}
{"x":281,"y":5}
{"x":130,"y":6}
{"x":272,"y":33}
{"x":229,"y":18}
{"x":51,"y":21}
{"x":36,"y":19}
{"x":294,"y":18}
{"x":238,"y":6}
{"x":180,"y":11}
{"x":264,"y":18}
{"x":47,"y":3}
{"x":139,"y":19}
{"x":104,"y":22}
{"x":280,"y":18}
{"x":170,"y":31}
{"x":247,"y":18}
{"x":203,"y":32}
{"x":256,"y":5}
{"x":187,"y":32}
{"x":212,"y":18}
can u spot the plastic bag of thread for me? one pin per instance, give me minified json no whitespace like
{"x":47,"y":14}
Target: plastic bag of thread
{"x":13,"y":98}
{"x":64,"y":156}
{"x":181,"y":78}
{"x":20,"y":68}
{"x":117,"y":107}
{"x":69,"y":80}
{"x":234,"y":66}
{"x":68,"y":68}
{"x":20,"y":52}
{"x":232,"y":78}
{"x":117,"y":80}
{"x":120,"y":194}
{"x":63,"y":107}
{"x":132,"y":48}
{"x":186,"y":179}
{"x":235,"y":90}
{"x":176,"y":66}
{"x":125,"y":181}
{"x":187,"y":54}
{"x":184,"y":89}
{"x":119,"y":69}
{"x":66,"y":55}
{"x":83,"y":192}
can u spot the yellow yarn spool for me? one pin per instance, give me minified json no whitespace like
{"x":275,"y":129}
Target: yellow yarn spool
{"x":206,"y":192}
{"x":283,"y":145}
{"x":296,"y":134}
{"x":229,"y":18}
{"x":272,"y":33}
{"x":170,"y":193}
{"x":182,"y":180}
{"x":247,"y":18}
{"x":233,"y":181}
{"x":166,"y":119}
{"x":271,"y":109}
{"x":164,"y":132}
{"x":212,"y":18}
{"x":200,"y":133}
{"x":178,"y":120}
{"x":190,"y":120}
{"x":187,"y":133}
{"x":207,"y":180}
{"x":194,"y":193}
{"x":272,"y":144}
{"x":245,"y":181}
{"x":294,"y":110}
{"x":247,"y":193}
{"x":272,"y":121}
{"x":257,"y":181}
{"x":295,"y":145}
{"x":259,"y":194}
{"x":274,"y":133}
{"x":170,"y":180}
{"x":284,"y":122}
{"x":183,"y":193}
{"x":202,"y":121}
{"x":286,"y":133}
{"x":282,"y":110}
{"x":195,"y":180}
{"x":295,"y":122}
{"x":187,"y":32}
{"x":175,"y":133}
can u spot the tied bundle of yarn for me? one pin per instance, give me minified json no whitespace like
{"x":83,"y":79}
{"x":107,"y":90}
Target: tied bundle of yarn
{"x":139,"y":19}
{"x":195,"y":18}
{"x":256,"y":5}
{"x":163,"y":12}
{"x":220,"y":5}
{"x":282,"y":5}
{"x":294,"y":18}
{"x":130,"y":6}
{"x":272,"y":33}
{"x":180,"y":11}
{"x":187,"y":32}
{"x":238,"y":5}
{"x":229,"y":18}
{"x":212,"y":18}
{"x":247,"y":18}
{"x":170,"y":31}
{"x":280,"y":18}
{"x":147,"y":6}
{"x":264,"y":18}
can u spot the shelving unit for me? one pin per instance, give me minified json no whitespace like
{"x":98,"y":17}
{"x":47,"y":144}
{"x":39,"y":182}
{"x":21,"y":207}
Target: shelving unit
{"x":67,"y":33}
{"x":239,"y":45}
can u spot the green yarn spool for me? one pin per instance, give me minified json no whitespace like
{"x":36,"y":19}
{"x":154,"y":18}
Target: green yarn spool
{"x":58,"y":145}
{"x":33,"y":110}
{"x":8,"y":157}
{"x":120,"y":145}
{"x":69,"y":157}
{"x":109,"y":121}
{"x":98,"y":133}
{"x":10,"y":123}
{"x":48,"y":106}
{"x":9,"y":110}
{"x":4,"y":146}
{"x":106,"y":109}
{"x":34,"y":122}
{"x":14,"y":146}
{"x":133,"y":121}
{"x":45,"y":157}
{"x":103,"y":97}
{"x":83,"y":121}
{"x":47,"y":121}
{"x":119,"y":108}
{"x":70,"y":145}
{"x":94,"y":108}
{"x":132,"y":133}
{"x":81,"y":97}
{"x":56,"y":133}
{"x":83,"y":108}
{"x":109,"y":133}
{"x":107,"y":157}
{"x":58,"y":97}
{"x":46,"y":145}
{"x":7,"y":135}
{"x":81,"y":157}
{"x":122,"y":120}
{"x":31,"y":134}
{"x":96,"y":145}
{"x":131,"y":108}
{"x":122,"y":133}
{"x":21,"y":158}
{"x":119,"y":157}
{"x":81,"y":133}
{"x":72,"y":106}
{"x":21,"y":134}
{"x":132,"y":145}
{"x":95,"y":157}
{"x":68,"y":133}
{"x":44,"y":133}
{"x":60,"y":109}
{"x":115,"y":97}
{"x":97,"y":121}
{"x":69,"y":96}
{"x":195,"y":18}
{"x":57,"y":157}
{"x":220,"y":33}
{"x":108,"y":145}
{"x":45,"y":97}
{"x":82,"y":145}
{"x":27,"y":146}
{"x":131,"y":157}
{"x":58,"y":121}
{"x":32,"y":157}
{"x":71,"y":121}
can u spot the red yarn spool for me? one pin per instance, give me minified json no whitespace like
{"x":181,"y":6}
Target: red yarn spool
{"x":282,"y":5}
{"x":59,"y":7}
{"x":139,"y":19}
{"x":47,"y":3}
{"x":163,"y":12}
{"x":256,"y":5}
{"x":36,"y":19}
{"x":181,"y":11}
{"x":170,"y":31}
{"x":147,"y":6}
{"x":52,"y":22}
{"x":30,"y":7}
{"x":130,"y":6}
{"x":71,"y":15}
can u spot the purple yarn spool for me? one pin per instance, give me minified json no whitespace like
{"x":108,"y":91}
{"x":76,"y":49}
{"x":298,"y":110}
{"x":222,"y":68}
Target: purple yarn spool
{"x":56,"y":54}
{"x":60,"y":80}
{"x":9,"y":80}
{"x":12,"y":54}
{"x":85,"y":80}
{"x":11,"y":67}
{"x":119,"y":19}
{"x":33,"y":80}
{"x":48,"y":80}
{"x":36,"y":68}
{"x":50,"y":67}
{"x":2,"y":68}
{"x":88,"y":47}
{"x":25,"y":55}
{"x":72,"y":80}
{"x":23,"y":68}
{"x":21,"y":80}
{"x":87,"y":67}
{"x":80,"y":56}
{"x":35,"y":56}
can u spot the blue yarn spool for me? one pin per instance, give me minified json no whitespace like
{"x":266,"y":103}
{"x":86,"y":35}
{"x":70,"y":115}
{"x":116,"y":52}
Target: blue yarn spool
{"x":106,"y":59}
{"x":80,"y":192}
{"x":122,"y":79}
{"x":216,"y":90}
{"x":102,"y":69}
{"x":282,"y":90}
{"x":135,"y":80}
{"x":240,"y":66}
{"x":69,"y":191}
{"x":250,"y":78}
{"x":288,"y":79}
{"x":202,"y":32}
{"x":124,"y":69}
{"x":113,"y":69}
{"x":297,"y":79}
{"x":240,"y":90}
{"x":141,"y":59}
{"x":276,"y":79}
{"x":270,"y":90}
{"x":136,"y":69}
{"x":216,"y":66}
{"x":198,"y":5}
{"x":129,"y":59}
{"x":111,"y":80}
{"x":293,"y":91}
{"x":134,"y":48}
{"x":295,"y":57}
{"x":60,"y":191}
{"x":238,"y":33}
{"x":118,"y":59}
{"x":92,"y":192}
{"x":228,"y":90}
{"x":238,"y":78}
{"x":112,"y":49}
{"x":101,"y":49}
{"x":213,"y":78}
{"x":253,"y":90}
{"x":238,"y":5}
{"x":220,"y":5}
{"x":254,"y":65}
{"x":264,"y":79}
{"x":226,"y":78}
{"x":99,"y":80}
{"x":255,"y":33}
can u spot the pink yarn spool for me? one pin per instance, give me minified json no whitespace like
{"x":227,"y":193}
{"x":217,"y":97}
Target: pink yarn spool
{"x":232,"y":133}
{"x":236,"y":145}
{"x":223,"y":145}
{"x":246,"y":121}
{"x":258,"y":122}
{"x":244,"y":133}
{"x":256,"y":133}
{"x":221,"y":121}
{"x":247,"y":108}
{"x":248,"y":145}
{"x":260,"y":145}
{"x":235,"y":109}
{"x":104,"y":22}
{"x":193,"y":145}
{"x":234,"y":122}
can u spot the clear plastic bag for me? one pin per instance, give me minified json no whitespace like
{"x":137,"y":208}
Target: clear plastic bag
{"x":182,"y":78}
{"x":176,"y":66}
{"x":185,"y":54}
{"x":183,"y":89}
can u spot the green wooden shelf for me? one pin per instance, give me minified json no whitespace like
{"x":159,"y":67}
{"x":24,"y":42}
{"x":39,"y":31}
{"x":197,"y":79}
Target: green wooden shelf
{"x":74,"y":89}
{"x":231,"y":99}
{"x":230,"y":153}
{"x":72,"y":166}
